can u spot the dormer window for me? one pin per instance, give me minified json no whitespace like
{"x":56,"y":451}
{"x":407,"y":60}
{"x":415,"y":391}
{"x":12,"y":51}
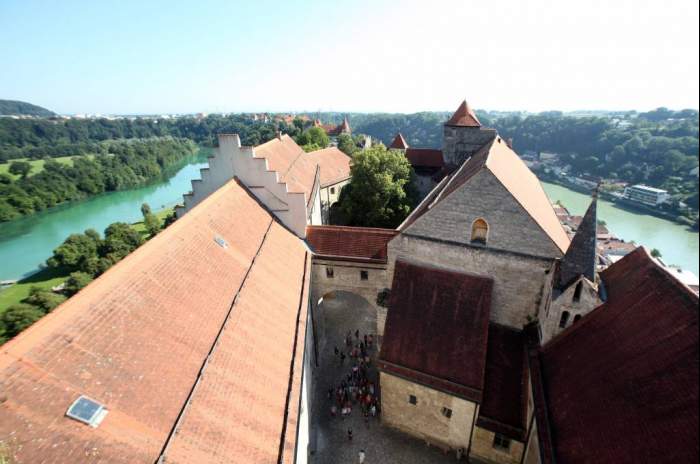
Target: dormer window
{"x":480,"y":231}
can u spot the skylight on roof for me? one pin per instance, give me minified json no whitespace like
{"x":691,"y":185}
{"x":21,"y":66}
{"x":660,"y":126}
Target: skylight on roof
{"x":87,"y":411}
{"x":221,"y":242}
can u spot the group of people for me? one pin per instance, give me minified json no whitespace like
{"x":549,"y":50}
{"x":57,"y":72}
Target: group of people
{"x":356,"y":388}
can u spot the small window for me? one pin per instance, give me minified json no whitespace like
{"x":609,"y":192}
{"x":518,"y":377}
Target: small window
{"x":564,"y":319}
{"x":577,"y":318}
{"x":332,"y":190}
{"x":412,"y":399}
{"x":480,"y":231}
{"x":578,"y":291}
{"x":364,"y":275}
{"x":447,"y":412}
{"x":500,"y":442}
{"x":329,"y":272}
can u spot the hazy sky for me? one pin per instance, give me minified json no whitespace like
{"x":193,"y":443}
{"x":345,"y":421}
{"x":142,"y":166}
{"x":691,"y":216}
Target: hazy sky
{"x":150,"y":56}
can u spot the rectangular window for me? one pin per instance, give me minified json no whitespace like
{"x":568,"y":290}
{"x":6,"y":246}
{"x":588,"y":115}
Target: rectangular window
{"x":332,"y":190}
{"x":364,"y":275}
{"x":500,"y":442}
{"x":329,"y":272}
{"x":412,"y":399}
{"x":447,"y":412}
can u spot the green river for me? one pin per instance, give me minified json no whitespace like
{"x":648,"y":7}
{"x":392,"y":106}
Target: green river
{"x":678,"y":245}
{"x":26,"y":243}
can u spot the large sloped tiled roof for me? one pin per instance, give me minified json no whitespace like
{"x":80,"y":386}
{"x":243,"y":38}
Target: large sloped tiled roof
{"x":437,"y":328}
{"x":184,"y":331}
{"x":425,"y":157}
{"x":514,"y":175}
{"x":295,"y":168}
{"x":365,"y":243}
{"x":333,"y":163}
{"x":622,"y":384}
{"x":504,"y":407}
{"x":464,"y":117}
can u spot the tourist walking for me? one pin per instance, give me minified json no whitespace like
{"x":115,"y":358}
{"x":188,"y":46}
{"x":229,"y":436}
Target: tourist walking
{"x":361,"y":457}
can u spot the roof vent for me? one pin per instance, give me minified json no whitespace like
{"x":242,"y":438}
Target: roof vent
{"x":87,"y":411}
{"x":221,"y":242}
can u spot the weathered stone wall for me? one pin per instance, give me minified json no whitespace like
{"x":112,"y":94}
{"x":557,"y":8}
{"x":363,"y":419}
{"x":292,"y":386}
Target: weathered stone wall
{"x":482,"y":448}
{"x":347,"y":277}
{"x":518,"y":280}
{"x":511,"y":228}
{"x":425,"y":420}
{"x":330,"y":194}
{"x":459,"y":143}
{"x":424,"y":183}
{"x":565,"y":302}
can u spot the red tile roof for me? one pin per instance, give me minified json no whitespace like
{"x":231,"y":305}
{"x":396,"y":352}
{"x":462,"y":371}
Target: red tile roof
{"x":464,"y":117}
{"x":504,"y":407}
{"x":425,"y":158}
{"x":399,"y":142}
{"x":622,"y":384}
{"x":333,"y":163}
{"x":514,"y":175}
{"x":364,"y":243}
{"x":295,"y":169}
{"x":437,"y":328}
{"x":137,"y":337}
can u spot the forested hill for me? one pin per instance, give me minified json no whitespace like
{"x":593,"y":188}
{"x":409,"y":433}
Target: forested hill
{"x":19,"y":108}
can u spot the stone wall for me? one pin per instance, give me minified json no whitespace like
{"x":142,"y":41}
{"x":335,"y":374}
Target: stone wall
{"x":424,"y":183}
{"x":425,"y":419}
{"x":482,"y":448}
{"x":589,"y":300}
{"x":518,"y":280}
{"x":511,"y":227}
{"x":459,"y":143}
{"x":330,"y":194}
{"x":347,"y":277}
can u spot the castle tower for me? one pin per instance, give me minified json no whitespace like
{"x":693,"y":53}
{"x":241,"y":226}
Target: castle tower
{"x":464,"y":135}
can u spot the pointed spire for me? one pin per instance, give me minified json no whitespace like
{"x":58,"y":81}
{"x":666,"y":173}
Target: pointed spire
{"x":464,"y":117}
{"x":580,"y":258}
{"x":346,"y":126}
{"x":399,"y":142}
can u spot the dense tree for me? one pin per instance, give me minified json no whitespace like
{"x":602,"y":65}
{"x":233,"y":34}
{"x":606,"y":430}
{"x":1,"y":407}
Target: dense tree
{"x":76,"y":282}
{"x":346,"y":144}
{"x":20,"y":168}
{"x":77,"y":252}
{"x":17,"y":318}
{"x":313,"y":139}
{"x":150,"y":221}
{"x":380,"y":192}
{"x":44,"y":299}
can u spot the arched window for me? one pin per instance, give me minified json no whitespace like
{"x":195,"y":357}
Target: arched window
{"x":577,"y":318}
{"x":564,"y":319}
{"x":480,"y":231}
{"x":577,"y":291}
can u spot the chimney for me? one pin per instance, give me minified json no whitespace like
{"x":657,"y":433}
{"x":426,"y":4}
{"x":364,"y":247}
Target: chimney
{"x":509,"y":142}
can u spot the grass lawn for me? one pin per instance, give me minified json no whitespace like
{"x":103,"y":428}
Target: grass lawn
{"x":45,"y":279}
{"x":48,"y":278}
{"x":37,"y":165}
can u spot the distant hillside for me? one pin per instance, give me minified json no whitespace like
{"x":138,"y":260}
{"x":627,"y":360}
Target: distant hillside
{"x":18,"y":108}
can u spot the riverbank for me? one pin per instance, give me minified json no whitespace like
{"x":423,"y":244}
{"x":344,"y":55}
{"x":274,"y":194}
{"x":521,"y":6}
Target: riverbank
{"x":26,"y":243}
{"x":48,"y":278}
{"x":677,"y":244}
{"x":634,"y":208}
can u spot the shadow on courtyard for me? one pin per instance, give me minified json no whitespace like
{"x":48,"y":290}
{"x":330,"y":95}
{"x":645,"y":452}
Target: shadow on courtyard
{"x":338,"y":314}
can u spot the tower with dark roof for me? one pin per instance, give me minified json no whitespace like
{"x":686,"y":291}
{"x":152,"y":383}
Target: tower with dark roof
{"x":464,"y":135}
{"x":580,"y":257}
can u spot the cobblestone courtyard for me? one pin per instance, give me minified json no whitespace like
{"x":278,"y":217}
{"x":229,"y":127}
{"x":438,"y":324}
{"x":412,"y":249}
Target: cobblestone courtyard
{"x":336,"y":316}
